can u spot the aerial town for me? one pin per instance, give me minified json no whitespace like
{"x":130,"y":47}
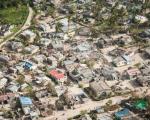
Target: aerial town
{"x":74,"y":59}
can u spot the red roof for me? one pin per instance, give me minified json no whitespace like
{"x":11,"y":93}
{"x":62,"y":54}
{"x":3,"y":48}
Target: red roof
{"x":133,"y":72}
{"x":6,"y":97}
{"x":3,"y":97}
{"x":56,"y":74}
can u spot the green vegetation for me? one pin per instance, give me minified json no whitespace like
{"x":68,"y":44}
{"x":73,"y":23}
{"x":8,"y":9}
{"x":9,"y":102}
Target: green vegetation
{"x":30,"y":91}
{"x":21,"y":80}
{"x":137,"y":65}
{"x":90,"y":63}
{"x":13,"y":12}
{"x":11,"y":3}
{"x":58,"y":27}
{"x":13,"y":15}
{"x":83,"y":112}
{"x":51,"y":89}
{"x":80,"y":85}
{"x":49,"y":9}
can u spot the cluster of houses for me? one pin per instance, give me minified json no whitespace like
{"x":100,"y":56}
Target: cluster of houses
{"x":54,"y":67}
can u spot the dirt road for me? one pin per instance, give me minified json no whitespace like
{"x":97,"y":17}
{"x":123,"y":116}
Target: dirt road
{"x":90,"y":105}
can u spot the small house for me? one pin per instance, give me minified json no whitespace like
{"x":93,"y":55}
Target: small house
{"x":104,"y":41}
{"x":84,"y":32}
{"x":3,"y":82}
{"x":52,"y":62}
{"x":84,"y":47}
{"x":42,"y":27}
{"x":100,"y":89}
{"x":25,"y":101}
{"x":58,"y":75}
{"x":123,"y":40}
{"x":117,"y":52}
{"x":42,"y":93}
{"x":28,"y":107}
{"x":28,"y":35}
{"x":109,"y":73}
{"x":6,"y":99}
{"x":145,"y":70}
{"x":28,"y":65}
{"x":45,"y":109}
{"x":39,"y":59}
{"x":15,"y":46}
{"x":119,"y":61}
{"x":45,"y":42}
{"x":82,"y":74}
{"x":31,"y":49}
{"x":67,"y":25}
{"x":122,"y":60}
{"x":124,"y":114}
{"x":132,"y":73}
{"x":70,"y":65}
{"x":57,"y":44}
{"x":143,"y":80}
{"x":127,"y":59}
{"x":104,"y":116}
{"x":13,"y":87}
{"x":59,"y":56}
{"x":74,"y":96}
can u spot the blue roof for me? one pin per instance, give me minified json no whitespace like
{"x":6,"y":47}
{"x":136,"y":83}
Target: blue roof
{"x":122,"y":113}
{"x":25,"y":100}
{"x":28,"y":65}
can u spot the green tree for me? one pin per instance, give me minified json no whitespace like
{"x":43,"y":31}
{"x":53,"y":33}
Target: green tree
{"x":51,"y":89}
{"x":58,"y":27}
{"x":83,"y":112}
{"x":21,"y":79}
{"x":30,"y":91}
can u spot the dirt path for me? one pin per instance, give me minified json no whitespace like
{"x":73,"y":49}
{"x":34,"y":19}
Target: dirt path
{"x":90,"y":105}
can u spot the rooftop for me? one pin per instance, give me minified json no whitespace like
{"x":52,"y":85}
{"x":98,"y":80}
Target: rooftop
{"x":56,"y":74}
{"x":25,"y":100}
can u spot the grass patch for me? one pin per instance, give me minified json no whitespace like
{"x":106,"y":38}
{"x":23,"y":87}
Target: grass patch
{"x":13,"y":15}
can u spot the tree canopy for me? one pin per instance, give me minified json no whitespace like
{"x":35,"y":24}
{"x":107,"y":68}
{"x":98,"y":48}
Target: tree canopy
{"x":11,"y":3}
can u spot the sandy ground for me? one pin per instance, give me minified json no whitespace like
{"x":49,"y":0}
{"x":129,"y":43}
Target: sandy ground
{"x":90,"y":105}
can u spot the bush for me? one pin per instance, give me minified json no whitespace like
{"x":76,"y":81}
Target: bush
{"x":83,"y":112}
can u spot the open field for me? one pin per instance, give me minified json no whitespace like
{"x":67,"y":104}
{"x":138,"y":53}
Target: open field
{"x":13,"y":15}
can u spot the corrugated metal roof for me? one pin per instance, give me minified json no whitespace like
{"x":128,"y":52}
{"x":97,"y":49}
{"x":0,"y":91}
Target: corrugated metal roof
{"x":25,"y":100}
